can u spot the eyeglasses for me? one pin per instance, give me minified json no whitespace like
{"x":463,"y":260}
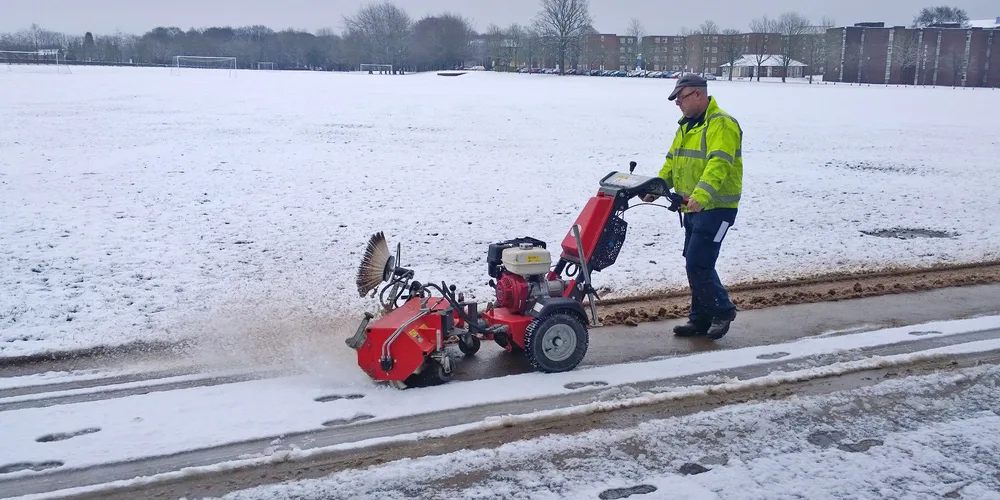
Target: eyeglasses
{"x":680,"y":98}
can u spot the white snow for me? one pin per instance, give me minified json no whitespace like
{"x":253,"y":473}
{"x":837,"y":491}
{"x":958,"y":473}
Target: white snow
{"x":138,"y":205}
{"x":161,"y":423}
{"x":925,"y":437}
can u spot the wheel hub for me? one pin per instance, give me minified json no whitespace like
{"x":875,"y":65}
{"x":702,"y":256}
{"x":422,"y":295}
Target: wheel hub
{"x":559,"y":342}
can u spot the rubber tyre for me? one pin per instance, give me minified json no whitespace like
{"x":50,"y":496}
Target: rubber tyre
{"x":568,"y":330}
{"x":471,"y":348}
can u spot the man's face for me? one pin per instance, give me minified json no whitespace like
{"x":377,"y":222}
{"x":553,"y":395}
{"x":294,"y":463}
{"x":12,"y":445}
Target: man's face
{"x":689,"y":101}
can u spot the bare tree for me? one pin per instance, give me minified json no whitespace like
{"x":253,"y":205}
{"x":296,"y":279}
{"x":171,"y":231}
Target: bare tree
{"x":940,"y":14}
{"x":563,"y":21}
{"x":708,"y":28}
{"x":516,"y":37}
{"x":814,"y":48}
{"x":761,"y":29}
{"x":791,"y":27}
{"x":495,"y":53}
{"x":441,"y":42}
{"x":379,"y":34}
{"x":906,"y":50}
{"x":532,"y":47}
{"x":954,"y":62}
{"x":637,"y":30}
{"x":732,"y":48}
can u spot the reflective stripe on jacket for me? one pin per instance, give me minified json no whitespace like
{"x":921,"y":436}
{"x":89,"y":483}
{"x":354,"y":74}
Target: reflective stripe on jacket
{"x":705,"y":162}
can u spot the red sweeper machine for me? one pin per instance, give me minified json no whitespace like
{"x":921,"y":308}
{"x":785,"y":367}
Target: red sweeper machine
{"x":538,"y":310}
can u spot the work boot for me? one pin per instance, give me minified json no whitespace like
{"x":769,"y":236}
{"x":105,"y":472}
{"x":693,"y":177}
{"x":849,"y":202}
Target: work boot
{"x":691,"y":329}
{"x":720,"y":326}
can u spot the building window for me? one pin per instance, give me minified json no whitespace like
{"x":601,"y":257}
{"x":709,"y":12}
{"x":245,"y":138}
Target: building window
{"x":713,"y":60}
{"x":715,"y":39}
{"x":715,"y":50}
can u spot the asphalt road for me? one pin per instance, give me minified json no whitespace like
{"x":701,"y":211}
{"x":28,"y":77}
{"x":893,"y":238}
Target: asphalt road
{"x":609,"y":345}
{"x":623,"y":344}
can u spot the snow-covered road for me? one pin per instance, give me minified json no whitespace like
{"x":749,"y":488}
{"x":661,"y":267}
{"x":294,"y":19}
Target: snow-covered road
{"x":262,"y":418}
{"x":916,"y":438}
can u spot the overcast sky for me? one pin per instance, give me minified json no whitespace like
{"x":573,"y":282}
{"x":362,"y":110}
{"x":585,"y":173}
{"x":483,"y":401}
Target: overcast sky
{"x":610,"y":16}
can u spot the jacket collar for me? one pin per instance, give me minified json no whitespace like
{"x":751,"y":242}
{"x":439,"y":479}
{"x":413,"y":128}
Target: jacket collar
{"x":699,"y":120}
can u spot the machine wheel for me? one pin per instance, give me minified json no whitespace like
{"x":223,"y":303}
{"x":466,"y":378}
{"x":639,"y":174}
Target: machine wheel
{"x":471,"y":347}
{"x":556,"y":343}
{"x":437,"y":373}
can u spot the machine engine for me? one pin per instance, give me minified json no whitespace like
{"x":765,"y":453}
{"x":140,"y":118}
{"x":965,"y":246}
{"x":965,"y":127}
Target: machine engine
{"x":522,"y":267}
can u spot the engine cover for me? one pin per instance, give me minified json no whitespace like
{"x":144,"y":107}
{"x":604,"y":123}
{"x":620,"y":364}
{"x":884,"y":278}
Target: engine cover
{"x":526,"y":260}
{"x":512,"y":292}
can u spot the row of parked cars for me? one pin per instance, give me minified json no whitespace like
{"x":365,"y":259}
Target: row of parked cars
{"x":637,"y":73}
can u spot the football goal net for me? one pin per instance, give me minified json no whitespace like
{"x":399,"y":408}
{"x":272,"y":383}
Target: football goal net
{"x":204,"y":62}
{"x":382,"y":69}
{"x":266,"y":66}
{"x":45,"y":59}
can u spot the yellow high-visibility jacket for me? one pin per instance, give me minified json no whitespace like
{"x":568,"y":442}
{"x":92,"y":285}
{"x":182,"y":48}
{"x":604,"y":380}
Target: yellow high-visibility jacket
{"x":705,"y":162}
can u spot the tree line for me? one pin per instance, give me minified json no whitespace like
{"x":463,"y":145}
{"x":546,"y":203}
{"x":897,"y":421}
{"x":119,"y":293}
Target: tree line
{"x":384,"y":33}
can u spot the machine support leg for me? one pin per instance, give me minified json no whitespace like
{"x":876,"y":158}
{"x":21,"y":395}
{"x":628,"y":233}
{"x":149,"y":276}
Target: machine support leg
{"x":594,"y":321}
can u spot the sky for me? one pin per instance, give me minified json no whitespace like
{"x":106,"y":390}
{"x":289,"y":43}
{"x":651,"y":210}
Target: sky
{"x":610,"y":16}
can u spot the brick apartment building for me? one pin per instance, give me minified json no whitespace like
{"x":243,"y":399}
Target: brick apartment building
{"x":664,"y":53}
{"x":947,"y":55}
{"x":607,"y":51}
{"x":706,"y":53}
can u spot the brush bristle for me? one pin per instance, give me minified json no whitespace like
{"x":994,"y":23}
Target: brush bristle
{"x":370,"y":274}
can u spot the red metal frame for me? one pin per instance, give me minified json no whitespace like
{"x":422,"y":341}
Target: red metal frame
{"x":516,"y":323}
{"x":591,"y":220}
{"x":410,"y":348}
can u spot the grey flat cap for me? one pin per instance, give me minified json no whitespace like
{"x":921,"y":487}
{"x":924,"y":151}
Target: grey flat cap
{"x":688,"y":80}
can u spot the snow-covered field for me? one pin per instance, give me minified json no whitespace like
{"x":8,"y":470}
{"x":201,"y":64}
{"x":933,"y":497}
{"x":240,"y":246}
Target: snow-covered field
{"x":140,"y":205}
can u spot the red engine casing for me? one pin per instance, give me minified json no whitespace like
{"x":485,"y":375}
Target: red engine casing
{"x":512,"y":292}
{"x":411,"y":347}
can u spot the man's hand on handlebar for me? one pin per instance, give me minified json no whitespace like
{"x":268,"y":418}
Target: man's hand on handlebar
{"x":649,"y":198}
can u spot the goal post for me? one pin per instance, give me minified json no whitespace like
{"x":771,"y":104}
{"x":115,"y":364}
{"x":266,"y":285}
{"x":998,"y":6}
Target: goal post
{"x":204,"y":62}
{"x":43,"y":57}
{"x":266,"y":65}
{"x":382,"y":69}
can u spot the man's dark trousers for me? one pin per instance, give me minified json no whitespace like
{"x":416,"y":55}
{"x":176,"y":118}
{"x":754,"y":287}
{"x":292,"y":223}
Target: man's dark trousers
{"x":703,"y":235}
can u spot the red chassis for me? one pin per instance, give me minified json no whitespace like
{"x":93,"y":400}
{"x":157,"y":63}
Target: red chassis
{"x":538,"y":308}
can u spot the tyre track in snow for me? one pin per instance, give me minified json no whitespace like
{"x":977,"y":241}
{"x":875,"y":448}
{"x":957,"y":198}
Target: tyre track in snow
{"x":85,"y":383}
{"x":119,"y":387}
{"x":215,"y":480}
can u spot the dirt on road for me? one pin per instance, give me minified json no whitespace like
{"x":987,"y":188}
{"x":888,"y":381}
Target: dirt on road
{"x":673,"y":303}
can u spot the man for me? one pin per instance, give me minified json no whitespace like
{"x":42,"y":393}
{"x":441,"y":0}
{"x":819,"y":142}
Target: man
{"x":705,"y":166}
